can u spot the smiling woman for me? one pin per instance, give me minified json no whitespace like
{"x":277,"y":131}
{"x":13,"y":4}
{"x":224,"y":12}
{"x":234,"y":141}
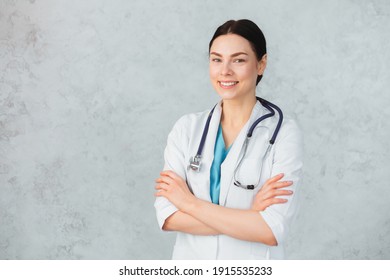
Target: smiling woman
{"x":230,"y":202}
{"x":231,"y":57}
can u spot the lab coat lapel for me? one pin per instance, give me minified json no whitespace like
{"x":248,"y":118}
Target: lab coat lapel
{"x":228,"y":166}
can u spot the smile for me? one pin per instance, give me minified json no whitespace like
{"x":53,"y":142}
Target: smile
{"x":227,"y":84}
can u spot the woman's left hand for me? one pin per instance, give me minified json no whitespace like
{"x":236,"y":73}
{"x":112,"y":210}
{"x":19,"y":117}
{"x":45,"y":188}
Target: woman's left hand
{"x":175,"y":189}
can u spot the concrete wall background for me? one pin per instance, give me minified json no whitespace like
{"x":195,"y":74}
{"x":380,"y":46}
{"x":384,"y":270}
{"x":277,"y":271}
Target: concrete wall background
{"x":90,"y":89}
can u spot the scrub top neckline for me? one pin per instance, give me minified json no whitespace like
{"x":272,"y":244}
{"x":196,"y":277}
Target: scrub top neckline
{"x":220,"y":154}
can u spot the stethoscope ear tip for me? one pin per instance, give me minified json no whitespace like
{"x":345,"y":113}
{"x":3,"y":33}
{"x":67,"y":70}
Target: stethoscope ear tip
{"x":247,"y":187}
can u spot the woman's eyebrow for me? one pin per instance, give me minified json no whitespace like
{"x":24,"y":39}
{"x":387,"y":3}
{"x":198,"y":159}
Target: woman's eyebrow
{"x":233,"y":55}
{"x":239,"y":53}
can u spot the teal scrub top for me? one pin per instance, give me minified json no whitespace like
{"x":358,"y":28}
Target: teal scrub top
{"x":220,"y":153}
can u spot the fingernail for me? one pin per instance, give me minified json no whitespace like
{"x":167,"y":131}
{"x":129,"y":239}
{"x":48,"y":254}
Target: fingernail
{"x":290,"y":191}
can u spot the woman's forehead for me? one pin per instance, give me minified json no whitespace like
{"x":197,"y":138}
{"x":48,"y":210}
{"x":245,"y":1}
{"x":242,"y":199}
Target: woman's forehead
{"x":231,"y":44}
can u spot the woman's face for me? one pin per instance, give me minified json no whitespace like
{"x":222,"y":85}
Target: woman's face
{"x":234,"y":67}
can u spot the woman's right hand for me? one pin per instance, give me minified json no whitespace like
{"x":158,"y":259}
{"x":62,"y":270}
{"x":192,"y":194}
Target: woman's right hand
{"x":266,"y":196}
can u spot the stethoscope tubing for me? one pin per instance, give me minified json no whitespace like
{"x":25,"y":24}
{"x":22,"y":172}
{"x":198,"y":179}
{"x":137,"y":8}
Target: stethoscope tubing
{"x":204,"y":134}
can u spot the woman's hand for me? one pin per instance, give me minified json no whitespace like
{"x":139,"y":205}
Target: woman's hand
{"x":267,"y":194}
{"x":175,"y":189}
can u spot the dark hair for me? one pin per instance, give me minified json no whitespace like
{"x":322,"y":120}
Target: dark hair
{"x":248,"y":30}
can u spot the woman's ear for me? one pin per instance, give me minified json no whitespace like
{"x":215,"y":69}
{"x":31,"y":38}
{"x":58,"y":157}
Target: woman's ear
{"x":261,"y":65}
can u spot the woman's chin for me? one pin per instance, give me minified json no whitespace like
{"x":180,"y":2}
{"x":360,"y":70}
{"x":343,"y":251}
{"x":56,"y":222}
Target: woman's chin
{"x":227,"y":95}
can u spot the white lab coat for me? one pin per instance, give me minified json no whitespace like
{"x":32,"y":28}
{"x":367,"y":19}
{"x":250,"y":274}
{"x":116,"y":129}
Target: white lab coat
{"x":285,"y":157}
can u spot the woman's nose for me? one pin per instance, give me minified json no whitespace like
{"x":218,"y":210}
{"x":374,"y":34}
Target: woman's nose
{"x":226,"y":69}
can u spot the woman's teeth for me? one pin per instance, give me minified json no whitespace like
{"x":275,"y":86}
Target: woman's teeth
{"x":228,"y":84}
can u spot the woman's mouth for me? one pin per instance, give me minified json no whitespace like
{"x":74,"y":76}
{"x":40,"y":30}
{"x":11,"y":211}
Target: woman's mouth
{"x":227,"y":84}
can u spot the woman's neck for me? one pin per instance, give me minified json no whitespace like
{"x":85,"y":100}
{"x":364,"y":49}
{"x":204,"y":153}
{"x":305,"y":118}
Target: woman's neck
{"x":235,"y":113}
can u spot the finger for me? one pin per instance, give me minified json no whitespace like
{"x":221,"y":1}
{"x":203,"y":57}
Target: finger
{"x":165,"y":179}
{"x":272,"y":180}
{"x":282,"y":184}
{"x":275,"y":193}
{"x":283,"y":192}
{"x":275,"y":178}
{"x":272,"y":201}
{"x":169,"y":173}
{"x":179,"y":180}
{"x":275,"y":185}
{"x":162,"y":186}
{"x":160,"y":193}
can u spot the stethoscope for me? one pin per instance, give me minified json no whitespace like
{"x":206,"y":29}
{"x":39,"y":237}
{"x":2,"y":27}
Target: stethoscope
{"x":195,"y":161}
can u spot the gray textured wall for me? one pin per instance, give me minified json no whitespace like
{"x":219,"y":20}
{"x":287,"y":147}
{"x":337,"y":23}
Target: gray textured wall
{"x":90,"y":89}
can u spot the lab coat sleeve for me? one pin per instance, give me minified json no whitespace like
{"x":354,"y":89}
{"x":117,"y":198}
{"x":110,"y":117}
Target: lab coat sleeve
{"x":287,"y":159}
{"x":173,"y":160}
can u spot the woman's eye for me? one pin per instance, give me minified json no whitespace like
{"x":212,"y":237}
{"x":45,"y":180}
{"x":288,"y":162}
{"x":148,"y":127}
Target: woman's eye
{"x":216,"y":60}
{"x":239,"y":60}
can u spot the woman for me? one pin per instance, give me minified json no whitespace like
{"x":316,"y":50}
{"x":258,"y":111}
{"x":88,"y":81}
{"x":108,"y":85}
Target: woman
{"x":235,"y":206}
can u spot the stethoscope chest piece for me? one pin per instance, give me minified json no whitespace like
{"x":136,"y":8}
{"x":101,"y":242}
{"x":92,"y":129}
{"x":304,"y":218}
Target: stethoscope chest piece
{"x":195,"y":163}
